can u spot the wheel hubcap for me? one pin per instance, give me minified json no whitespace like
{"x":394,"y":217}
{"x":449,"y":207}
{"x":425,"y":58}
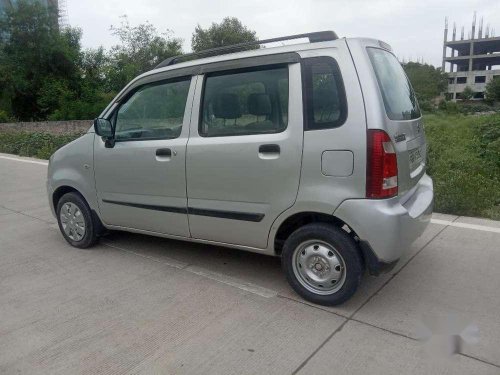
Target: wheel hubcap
{"x":72,"y":221}
{"x":319,"y":267}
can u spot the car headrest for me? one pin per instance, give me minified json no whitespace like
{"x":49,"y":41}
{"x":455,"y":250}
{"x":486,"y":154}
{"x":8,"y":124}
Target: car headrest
{"x":227,"y":106}
{"x":259,"y":104}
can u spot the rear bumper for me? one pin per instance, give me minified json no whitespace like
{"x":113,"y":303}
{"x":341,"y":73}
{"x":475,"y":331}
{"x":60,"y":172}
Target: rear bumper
{"x":389,"y":226}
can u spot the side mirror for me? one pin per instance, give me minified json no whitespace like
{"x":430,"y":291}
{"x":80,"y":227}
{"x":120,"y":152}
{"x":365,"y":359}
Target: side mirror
{"x":103,"y":128}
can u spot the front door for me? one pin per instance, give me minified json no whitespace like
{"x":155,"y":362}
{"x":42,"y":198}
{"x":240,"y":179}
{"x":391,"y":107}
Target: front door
{"x":141,"y":181}
{"x":244,"y":153}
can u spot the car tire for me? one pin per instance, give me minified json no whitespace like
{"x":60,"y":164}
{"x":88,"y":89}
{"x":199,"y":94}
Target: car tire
{"x":322,"y":263}
{"x":76,"y":222}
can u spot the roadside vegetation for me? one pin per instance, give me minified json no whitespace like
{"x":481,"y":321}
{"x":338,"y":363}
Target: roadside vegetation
{"x":37,"y":144}
{"x":464,"y":162}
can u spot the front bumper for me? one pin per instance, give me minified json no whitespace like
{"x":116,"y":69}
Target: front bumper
{"x":389,"y":226}
{"x":50,"y":192}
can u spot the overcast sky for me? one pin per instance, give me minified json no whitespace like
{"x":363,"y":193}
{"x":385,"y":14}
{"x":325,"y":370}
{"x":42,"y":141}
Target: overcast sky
{"x":414,"y":28}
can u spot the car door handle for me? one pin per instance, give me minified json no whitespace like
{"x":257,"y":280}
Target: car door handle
{"x":267,"y":152}
{"x":164,"y":152}
{"x":269,"y":149}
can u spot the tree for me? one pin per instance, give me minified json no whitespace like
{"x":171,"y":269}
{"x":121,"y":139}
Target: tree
{"x":141,"y":48}
{"x":229,"y":31}
{"x":38,"y":61}
{"x":493,"y":90}
{"x":468,"y":93}
{"x":427,"y":81}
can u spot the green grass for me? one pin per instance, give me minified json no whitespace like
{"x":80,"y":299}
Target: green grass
{"x":463,"y":160}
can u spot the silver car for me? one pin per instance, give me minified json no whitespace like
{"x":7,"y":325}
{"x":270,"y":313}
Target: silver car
{"x":314,"y":152}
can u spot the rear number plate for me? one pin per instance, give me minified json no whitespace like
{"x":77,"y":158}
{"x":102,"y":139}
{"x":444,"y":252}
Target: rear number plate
{"x":415,"y":158}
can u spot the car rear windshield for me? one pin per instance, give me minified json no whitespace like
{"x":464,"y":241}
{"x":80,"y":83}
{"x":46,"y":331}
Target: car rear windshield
{"x":399,"y":98}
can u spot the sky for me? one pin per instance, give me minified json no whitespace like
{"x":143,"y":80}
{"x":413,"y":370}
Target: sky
{"x":414,"y":28}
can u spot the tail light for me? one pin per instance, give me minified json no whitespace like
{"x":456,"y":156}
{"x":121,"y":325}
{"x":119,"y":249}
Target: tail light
{"x":382,"y":166}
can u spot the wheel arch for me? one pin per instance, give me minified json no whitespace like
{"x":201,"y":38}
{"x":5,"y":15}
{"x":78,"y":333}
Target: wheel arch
{"x":64,"y":189}
{"x":60,"y":191}
{"x":299,"y":219}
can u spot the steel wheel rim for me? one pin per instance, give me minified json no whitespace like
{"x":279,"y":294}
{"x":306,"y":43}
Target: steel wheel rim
{"x":319,"y":267}
{"x":72,"y":221}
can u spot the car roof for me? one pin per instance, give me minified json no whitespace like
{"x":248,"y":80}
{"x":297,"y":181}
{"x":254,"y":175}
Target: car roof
{"x":289,"y":48}
{"x":246,"y":54}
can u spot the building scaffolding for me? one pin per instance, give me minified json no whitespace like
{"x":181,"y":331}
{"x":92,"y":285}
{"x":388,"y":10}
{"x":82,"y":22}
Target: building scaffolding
{"x":471,"y":62}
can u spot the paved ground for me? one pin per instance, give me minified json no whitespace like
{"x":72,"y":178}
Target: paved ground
{"x":136,"y":304}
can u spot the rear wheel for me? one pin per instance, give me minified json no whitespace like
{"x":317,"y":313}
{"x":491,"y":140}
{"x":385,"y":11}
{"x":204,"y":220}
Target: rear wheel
{"x":322,"y":263}
{"x":75,"y":221}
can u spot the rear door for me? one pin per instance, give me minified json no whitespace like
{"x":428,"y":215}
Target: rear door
{"x":141,"y":181}
{"x":244,"y":153}
{"x":391,"y":105}
{"x":404,"y":122}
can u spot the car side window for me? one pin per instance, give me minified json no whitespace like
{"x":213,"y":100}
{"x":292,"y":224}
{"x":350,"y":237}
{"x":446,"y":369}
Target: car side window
{"x":324,"y":94}
{"x":154,"y":111}
{"x":245,"y":102}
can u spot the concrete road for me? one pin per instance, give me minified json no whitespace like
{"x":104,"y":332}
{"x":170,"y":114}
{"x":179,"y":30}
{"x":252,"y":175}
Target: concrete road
{"x":137,"y":304}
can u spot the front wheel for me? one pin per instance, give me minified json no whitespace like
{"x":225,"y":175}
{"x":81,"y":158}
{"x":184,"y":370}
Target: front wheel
{"x":75,"y":221}
{"x":322,"y":263}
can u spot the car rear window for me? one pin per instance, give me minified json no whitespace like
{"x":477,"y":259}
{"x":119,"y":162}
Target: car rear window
{"x":325,"y":100}
{"x":399,"y":98}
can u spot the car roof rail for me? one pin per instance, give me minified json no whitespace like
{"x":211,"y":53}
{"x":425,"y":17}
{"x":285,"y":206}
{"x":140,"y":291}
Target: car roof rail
{"x":318,"y":36}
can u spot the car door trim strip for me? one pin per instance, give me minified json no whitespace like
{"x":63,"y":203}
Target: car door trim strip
{"x":234,"y":215}
{"x":179,"y":210}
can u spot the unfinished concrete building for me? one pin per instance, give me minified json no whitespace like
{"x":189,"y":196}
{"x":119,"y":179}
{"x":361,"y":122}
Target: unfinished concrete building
{"x":471,"y":62}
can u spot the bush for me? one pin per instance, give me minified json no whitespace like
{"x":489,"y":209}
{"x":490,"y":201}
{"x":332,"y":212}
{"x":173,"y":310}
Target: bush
{"x":427,"y":81}
{"x":4,"y":117}
{"x":470,"y":107}
{"x":463,"y":160}
{"x":468,"y":93}
{"x":493,"y":90}
{"x":474,"y":107}
{"x":449,"y":107}
{"x":488,"y":135}
{"x":39,"y":145}
{"x":426,"y":106}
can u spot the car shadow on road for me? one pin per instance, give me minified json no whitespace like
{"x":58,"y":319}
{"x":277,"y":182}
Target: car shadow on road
{"x":258,"y":269}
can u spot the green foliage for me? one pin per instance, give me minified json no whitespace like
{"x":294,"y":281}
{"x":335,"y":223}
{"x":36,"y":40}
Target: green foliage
{"x":426,"y":106}
{"x":141,"y":48}
{"x":463,"y":159}
{"x":427,"y":81}
{"x":45,"y":75}
{"x":474,"y":107}
{"x":40,"y":145}
{"x":470,"y":107}
{"x":4,"y":117}
{"x":88,"y":106}
{"x":34,"y":53}
{"x":449,"y":107}
{"x":229,"y":31}
{"x":488,"y":136}
{"x":493,"y":90}
{"x":50,"y":77}
{"x":468,"y":93}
